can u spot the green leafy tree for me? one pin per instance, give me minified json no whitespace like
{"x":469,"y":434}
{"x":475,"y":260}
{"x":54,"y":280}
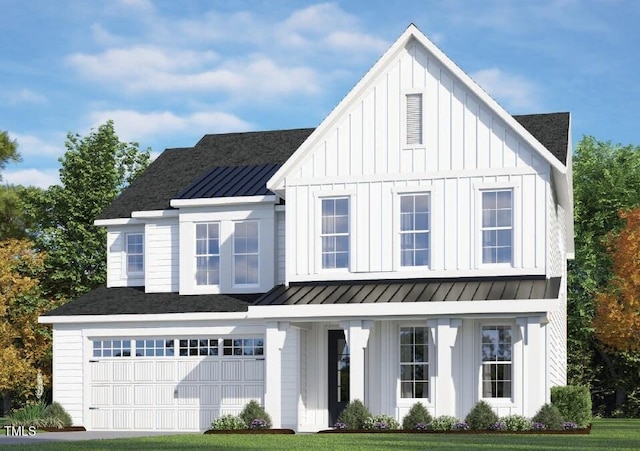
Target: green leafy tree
{"x":13,"y":221}
{"x":95,"y":169}
{"x":8,"y":151}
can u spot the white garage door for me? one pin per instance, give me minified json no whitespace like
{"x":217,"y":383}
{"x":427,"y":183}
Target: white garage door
{"x":172,"y":384}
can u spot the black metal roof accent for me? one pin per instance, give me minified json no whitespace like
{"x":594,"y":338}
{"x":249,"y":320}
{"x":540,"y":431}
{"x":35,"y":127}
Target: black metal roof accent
{"x":551,"y":129}
{"x":134,"y":301}
{"x":231,"y":181}
{"x":414,"y":290}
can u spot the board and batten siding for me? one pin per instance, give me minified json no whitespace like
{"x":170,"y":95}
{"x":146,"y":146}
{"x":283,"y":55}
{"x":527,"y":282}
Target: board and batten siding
{"x":290,"y":382}
{"x":280,"y":248}
{"x":466,"y":147}
{"x":116,"y":257}
{"x":67,"y":371}
{"x":162,"y":256}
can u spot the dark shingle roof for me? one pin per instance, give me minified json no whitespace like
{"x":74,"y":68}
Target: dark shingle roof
{"x":420,"y":290}
{"x":231,"y":181}
{"x":551,"y":129}
{"x":175,"y":169}
{"x":134,"y":301}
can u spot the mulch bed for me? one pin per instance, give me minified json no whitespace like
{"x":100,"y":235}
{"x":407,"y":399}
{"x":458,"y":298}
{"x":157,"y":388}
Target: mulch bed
{"x":250,"y":431}
{"x":67,"y":429}
{"x":582,"y":431}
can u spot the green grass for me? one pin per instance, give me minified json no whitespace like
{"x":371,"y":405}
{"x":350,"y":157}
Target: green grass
{"x":611,"y":434}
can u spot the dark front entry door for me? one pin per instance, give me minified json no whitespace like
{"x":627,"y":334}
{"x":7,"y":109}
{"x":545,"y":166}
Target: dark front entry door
{"x":338,"y":374}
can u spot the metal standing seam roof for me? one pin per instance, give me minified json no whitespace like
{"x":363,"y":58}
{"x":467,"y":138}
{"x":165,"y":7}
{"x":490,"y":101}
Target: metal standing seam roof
{"x":231,"y":181}
{"x":417,"y":290}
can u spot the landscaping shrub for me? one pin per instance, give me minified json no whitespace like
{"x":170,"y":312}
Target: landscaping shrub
{"x":550,"y":416}
{"x":228,"y":422}
{"x":254,"y":411}
{"x":354,"y":415}
{"x":381,"y":422}
{"x":516,"y":423}
{"x":55,"y":416}
{"x":573,"y":402}
{"x":481,"y":417}
{"x":418,"y":414}
{"x":443,"y":423}
{"x":31,"y":414}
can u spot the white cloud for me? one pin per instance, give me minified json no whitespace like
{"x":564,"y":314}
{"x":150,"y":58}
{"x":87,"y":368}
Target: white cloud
{"x":30,"y":145}
{"x":320,"y":18}
{"x":513,"y":91}
{"x":32,"y":177}
{"x":134,"y":126}
{"x":25,"y":95}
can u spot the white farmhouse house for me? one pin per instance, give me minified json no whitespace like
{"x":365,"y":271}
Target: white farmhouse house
{"x":411,"y":248}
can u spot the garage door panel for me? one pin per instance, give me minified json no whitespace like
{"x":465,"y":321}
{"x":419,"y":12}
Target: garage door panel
{"x":207,"y":416}
{"x":232,"y":370}
{"x":166,"y":419}
{"x":101,"y":395}
{"x":187,"y":395}
{"x":232,"y":395}
{"x":101,"y":371}
{"x":122,"y":371}
{"x":165,"y":395}
{"x":122,"y":419}
{"x":253,"y":370}
{"x":187,"y":371}
{"x":143,"y":419}
{"x":100,"y":419}
{"x":209,"y":395}
{"x":143,"y":395}
{"x":165,"y":371}
{"x":144,"y":371}
{"x":188,"y":418}
{"x":255,"y":392}
{"x":209,"y":371}
{"x":122,"y":395}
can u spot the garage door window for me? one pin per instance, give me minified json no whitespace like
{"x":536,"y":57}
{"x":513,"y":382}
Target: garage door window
{"x":112,"y":348}
{"x":154,"y":348}
{"x":199,"y":346}
{"x":244,"y":346}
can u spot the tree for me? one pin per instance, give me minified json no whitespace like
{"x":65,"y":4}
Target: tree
{"x":25,"y":345}
{"x":95,"y":169}
{"x":13,"y":221}
{"x":617,"y":306}
{"x":8,"y":151}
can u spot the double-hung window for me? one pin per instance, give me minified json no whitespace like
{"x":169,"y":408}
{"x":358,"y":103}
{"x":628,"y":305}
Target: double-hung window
{"x":135,"y":253}
{"x":208,"y":254}
{"x":497,"y":366}
{"x":497,"y":226}
{"x":335,"y":232}
{"x":246,"y":246}
{"x":414,"y":362}
{"x":414,"y":230}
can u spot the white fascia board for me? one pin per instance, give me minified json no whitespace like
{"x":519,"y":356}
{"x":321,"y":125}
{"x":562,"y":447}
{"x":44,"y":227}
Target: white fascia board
{"x":212,"y":202}
{"x":398,"y":309}
{"x":117,"y":222}
{"x":276,"y":182}
{"x":159,"y":317}
{"x":155,"y":214}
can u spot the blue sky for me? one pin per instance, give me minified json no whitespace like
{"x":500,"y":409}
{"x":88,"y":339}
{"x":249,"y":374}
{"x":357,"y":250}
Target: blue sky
{"x":168,"y":72}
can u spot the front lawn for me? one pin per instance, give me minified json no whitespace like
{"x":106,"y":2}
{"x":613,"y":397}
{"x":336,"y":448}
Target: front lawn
{"x":606,"y":434}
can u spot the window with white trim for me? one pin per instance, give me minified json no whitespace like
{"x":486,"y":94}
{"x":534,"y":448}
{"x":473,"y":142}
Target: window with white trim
{"x":414,"y":230}
{"x":208,"y":254}
{"x":134,"y":245}
{"x":497,"y":226}
{"x":154,"y":347}
{"x":335,"y":232}
{"x":112,"y":348}
{"x":246,"y":244}
{"x":243,"y":346}
{"x":198,"y":346}
{"x":497,"y":364}
{"x":414,"y":119}
{"x":414,"y":362}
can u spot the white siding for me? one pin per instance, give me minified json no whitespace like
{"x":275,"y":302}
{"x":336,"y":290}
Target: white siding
{"x":280,"y":248}
{"x":67,"y":371}
{"x":290,"y":379}
{"x":162,"y":256}
{"x":116,"y":257}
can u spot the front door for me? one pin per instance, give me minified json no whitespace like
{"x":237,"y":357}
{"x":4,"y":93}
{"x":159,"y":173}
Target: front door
{"x":338,"y":374}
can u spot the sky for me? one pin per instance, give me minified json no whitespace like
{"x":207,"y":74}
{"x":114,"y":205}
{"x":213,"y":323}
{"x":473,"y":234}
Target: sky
{"x":167,"y":72}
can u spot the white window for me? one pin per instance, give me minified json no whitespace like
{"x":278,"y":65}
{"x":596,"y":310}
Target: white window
{"x":335,"y":232}
{"x":198,"y":346}
{"x":154,"y":347}
{"x":414,"y":119}
{"x":497,"y":366}
{"x":414,"y":362}
{"x":135,"y":253}
{"x":414,"y":230}
{"x":112,"y":348}
{"x":246,"y":246}
{"x":497,"y":226}
{"x":208,"y":254}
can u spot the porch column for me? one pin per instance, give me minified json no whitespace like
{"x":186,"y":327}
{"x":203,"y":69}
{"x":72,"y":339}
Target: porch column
{"x":443,"y":333}
{"x":274,"y":341}
{"x":533,"y":368}
{"x":356,"y":334}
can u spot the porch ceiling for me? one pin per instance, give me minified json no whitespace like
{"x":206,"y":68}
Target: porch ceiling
{"x":415,"y":290}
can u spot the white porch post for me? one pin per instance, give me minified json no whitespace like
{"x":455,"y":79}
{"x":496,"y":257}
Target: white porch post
{"x":274,"y":341}
{"x":534,"y":383}
{"x":444,"y":332}
{"x":356,"y":334}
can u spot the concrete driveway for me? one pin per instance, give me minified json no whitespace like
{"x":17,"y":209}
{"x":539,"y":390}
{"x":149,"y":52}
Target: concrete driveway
{"x":44,"y":437}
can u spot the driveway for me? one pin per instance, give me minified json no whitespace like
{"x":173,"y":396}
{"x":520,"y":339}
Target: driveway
{"x":44,"y":437}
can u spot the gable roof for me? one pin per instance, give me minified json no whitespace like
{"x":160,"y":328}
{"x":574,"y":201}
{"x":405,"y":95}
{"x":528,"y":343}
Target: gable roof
{"x":176,"y":169}
{"x":551,"y":129}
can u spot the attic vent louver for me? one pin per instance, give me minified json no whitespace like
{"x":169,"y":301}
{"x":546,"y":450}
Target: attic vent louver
{"x":414,"y":119}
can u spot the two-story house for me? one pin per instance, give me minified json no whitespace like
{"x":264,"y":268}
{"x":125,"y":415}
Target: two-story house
{"x":411,"y":248}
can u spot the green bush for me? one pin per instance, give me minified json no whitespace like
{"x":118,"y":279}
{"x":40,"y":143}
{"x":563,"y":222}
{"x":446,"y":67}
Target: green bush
{"x":254,"y":411}
{"x":55,"y":416}
{"x":381,"y":422}
{"x":31,"y":414}
{"x":418,"y":414}
{"x":481,"y":417}
{"x":443,"y":423}
{"x":516,"y":423}
{"x":228,"y":422}
{"x":354,"y":415}
{"x":574,"y":403}
{"x":550,"y":416}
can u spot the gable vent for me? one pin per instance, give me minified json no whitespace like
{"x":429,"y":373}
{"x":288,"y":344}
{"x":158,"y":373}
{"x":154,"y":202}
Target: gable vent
{"x":414,"y":119}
